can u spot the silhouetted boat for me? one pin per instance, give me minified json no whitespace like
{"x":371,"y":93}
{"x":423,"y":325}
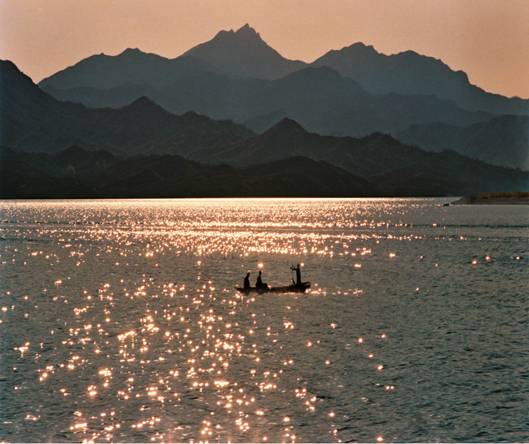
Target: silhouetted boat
{"x":294,"y":288}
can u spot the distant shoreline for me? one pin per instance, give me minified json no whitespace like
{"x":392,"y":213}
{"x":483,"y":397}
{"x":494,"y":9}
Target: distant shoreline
{"x":213,"y":196}
{"x":498,"y":198}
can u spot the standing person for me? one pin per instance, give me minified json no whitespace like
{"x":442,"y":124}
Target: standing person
{"x":246,"y":284}
{"x":259,"y":281}
{"x":297,"y":269}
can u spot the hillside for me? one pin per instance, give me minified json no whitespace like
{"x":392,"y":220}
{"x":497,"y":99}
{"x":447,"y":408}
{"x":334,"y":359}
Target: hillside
{"x":503,"y":140}
{"x":33,"y":121}
{"x":32,"y":175}
{"x":77,"y":173}
{"x":320,"y":98}
{"x":393,"y":166}
{"x":411,"y":73}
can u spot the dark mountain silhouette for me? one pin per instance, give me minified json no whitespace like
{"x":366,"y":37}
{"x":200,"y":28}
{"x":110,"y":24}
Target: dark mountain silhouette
{"x":320,"y":98}
{"x":149,"y":88}
{"x":103,"y":80}
{"x":41,"y":175}
{"x":240,"y":53}
{"x":30,"y":175}
{"x":212,"y":94}
{"x":373,"y":93}
{"x":32,"y":120}
{"x":412,"y":73}
{"x":131,"y":67}
{"x":326,"y":102}
{"x":243,"y":53}
{"x":503,"y":140}
{"x":379,"y":158}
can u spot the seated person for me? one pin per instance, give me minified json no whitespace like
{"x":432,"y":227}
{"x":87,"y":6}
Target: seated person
{"x":246,"y":284}
{"x":259,"y":282}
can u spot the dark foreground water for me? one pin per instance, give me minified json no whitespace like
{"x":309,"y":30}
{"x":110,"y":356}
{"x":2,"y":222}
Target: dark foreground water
{"x":119,"y":321}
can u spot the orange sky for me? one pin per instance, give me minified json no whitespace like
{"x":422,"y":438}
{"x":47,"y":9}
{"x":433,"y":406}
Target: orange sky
{"x":489,"y":39}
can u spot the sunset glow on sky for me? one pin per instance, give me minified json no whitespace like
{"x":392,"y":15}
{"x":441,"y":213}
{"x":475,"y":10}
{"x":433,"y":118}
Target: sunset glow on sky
{"x":488,"y":39}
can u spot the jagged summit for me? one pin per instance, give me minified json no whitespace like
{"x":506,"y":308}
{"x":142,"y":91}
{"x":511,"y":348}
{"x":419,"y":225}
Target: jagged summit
{"x":247,"y":30}
{"x":245,"y":35}
{"x":243,"y":53}
{"x":132,"y":52}
{"x":406,"y":72}
{"x":360,"y":46}
{"x":357,"y":50}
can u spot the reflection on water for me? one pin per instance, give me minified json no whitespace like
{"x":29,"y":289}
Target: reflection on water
{"x":119,"y":321}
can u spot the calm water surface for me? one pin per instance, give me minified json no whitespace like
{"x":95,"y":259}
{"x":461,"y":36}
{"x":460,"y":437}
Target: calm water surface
{"x":119,"y":321}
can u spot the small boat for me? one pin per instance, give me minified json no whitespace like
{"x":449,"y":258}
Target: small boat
{"x":294,"y":288}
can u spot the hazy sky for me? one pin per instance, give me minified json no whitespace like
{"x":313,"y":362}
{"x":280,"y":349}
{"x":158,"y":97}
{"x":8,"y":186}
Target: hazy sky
{"x":489,"y":39}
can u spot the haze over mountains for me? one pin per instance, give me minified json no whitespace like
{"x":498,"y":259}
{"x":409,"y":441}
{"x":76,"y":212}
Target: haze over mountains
{"x":503,"y":140}
{"x":349,"y":92}
{"x":319,"y":98}
{"x":243,"y":53}
{"x":137,"y":150}
{"x":412,"y":73}
{"x":234,"y":100}
{"x":33,"y":121}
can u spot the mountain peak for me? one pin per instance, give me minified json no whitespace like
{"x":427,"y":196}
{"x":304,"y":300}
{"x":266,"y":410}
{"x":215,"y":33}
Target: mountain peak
{"x":243,"y":53}
{"x":144,"y":104}
{"x":244,"y":35}
{"x":362,"y":45}
{"x":131,"y":52}
{"x":358,"y":51}
{"x":360,"y":48}
{"x":8,"y":70}
{"x":288,"y":123}
{"x":11,"y":76}
{"x":286,"y":126}
{"x":247,"y":31}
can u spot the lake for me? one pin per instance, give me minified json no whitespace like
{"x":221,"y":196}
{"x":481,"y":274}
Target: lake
{"x":120,"y":322}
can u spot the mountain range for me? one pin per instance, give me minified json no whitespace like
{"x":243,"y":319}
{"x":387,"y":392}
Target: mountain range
{"x":32,"y":120}
{"x":354,"y":91}
{"x":243,"y":53}
{"x":78,"y":173}
{"x":142,"y":149}
{"x":503,"y":140}
{"x":319,"y":98}
{"x":396,"y":168}
{"x":411,"y":73}
{"x":233,"y":117}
